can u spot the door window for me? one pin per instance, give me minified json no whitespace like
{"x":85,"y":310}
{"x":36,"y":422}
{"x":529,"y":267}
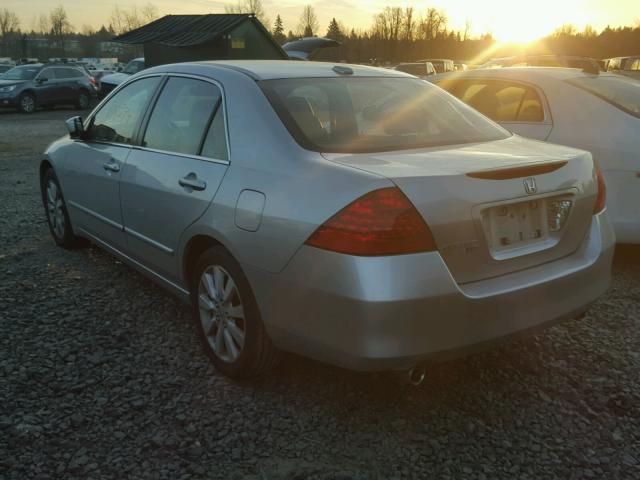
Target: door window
{"x":182,"y":116}
{"x":47,"y":73}
{"x":67,"y":73}
{"x":118,"y":120}
{"x":215,"y":145}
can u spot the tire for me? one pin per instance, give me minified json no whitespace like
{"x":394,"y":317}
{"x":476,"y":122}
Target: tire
{"x":28,"y":103}
{"x":83,"y":101}
{"x":222,"y":321}
{"x":56,"y":211}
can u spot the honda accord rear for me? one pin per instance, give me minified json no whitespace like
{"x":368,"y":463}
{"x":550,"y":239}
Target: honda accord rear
{"x":355,"y":215}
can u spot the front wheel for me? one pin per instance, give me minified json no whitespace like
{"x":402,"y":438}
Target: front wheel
{"x":228,"y":319}
{"x":56,"y":211}
{"x":27,"y":103}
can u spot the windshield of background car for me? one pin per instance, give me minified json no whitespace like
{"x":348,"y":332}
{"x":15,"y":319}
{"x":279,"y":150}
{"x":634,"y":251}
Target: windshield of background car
{"x":21,"y":73}
{"x":374,"y":114}
{"x":619,"y":91}
{"x":134,"y":67}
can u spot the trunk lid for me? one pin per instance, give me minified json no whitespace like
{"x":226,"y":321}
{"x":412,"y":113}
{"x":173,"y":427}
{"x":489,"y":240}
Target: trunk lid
{"x":494,"y":207}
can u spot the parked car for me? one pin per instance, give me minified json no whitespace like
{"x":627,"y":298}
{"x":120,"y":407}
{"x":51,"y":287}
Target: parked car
{"x":109,"y":82}
{"x":5,"y":68}
{"x":441,"y":65}
{"x":632,"y":67}
{"x":28,"y":87}
{"x":616,"y":64}
{"x":460,"y":66}
{"x":566,"y":61}
{"x":595,"y":112}
{"x":355,"y":215}
{"x":306,"y":48}
{"x":418,"y":69}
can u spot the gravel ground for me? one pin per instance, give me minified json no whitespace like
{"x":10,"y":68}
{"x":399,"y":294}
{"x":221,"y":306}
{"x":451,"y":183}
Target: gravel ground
{"x":101,"y":376}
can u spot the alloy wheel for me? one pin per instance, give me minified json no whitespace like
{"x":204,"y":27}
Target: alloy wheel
{"x":55,"y":209}
{"x":28,"y":103}
{"x":83,"y":101}
{"x":221,"y":313}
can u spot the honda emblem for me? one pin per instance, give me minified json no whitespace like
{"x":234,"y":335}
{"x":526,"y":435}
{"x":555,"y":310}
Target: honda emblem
{"x":530,"y":185}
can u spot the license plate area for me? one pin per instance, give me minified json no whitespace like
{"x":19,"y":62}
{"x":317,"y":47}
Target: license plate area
{"x":520,"y":228}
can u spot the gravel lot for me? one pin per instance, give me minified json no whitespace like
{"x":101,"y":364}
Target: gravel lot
{"x":101,"y":376}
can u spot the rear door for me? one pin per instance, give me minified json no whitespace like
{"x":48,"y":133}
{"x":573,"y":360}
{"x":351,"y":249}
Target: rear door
{"x":516,"y":106}
{"x":66,"y":79}
{"x":172,"y":177}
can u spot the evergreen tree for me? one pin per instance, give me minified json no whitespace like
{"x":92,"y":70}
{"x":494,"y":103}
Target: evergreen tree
{"x":334,"y":32}
{"x":278,"y":30}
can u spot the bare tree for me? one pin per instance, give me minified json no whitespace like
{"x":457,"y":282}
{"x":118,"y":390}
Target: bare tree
{"x":124,"y":20}
{"x":9,"y":23}
{"x":389,"y":23}
{"x":308,"y":25}
{"x":434,"y":24}
{"x":44,"y":25}
{"x":467,"y":31}
{"x":408,"y":24}
{"x":250,"y":6}
{"x":60,"y":26}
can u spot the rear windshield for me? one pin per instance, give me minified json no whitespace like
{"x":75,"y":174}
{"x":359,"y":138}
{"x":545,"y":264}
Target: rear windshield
{"x":619,"y":91}
{"x":21,"y":73}
{"x":375,"y":114}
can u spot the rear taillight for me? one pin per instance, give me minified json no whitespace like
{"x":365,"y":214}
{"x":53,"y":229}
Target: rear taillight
{"x":602,"y":191}
{"x":381,"y":222}
{"x":93,"y":81}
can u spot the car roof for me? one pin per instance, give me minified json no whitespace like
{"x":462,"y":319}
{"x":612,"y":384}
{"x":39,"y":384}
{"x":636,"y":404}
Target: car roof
{"x":275,"y":69}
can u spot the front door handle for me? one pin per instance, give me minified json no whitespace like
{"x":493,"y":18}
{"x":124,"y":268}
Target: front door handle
{"x":191,"y":181}
{"x":111,"y":166}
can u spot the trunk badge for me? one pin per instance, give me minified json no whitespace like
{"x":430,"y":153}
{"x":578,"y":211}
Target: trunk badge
{"x":530,"y":185}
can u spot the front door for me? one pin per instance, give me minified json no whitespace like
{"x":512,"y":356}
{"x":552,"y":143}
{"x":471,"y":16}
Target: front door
{"x":46,"y":87}
{"x":170,"y":180}
{"x":95,"y":163}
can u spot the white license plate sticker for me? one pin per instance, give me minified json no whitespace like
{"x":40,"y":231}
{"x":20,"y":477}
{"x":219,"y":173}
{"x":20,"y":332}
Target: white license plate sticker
{"x":514,"y":225}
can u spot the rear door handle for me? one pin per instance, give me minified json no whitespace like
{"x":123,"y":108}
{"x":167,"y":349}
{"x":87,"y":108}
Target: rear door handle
{"x":191,"y":181}
{"x":111,"y":166}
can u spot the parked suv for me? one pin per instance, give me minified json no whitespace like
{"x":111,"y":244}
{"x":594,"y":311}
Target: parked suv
{"x":28,"y":87}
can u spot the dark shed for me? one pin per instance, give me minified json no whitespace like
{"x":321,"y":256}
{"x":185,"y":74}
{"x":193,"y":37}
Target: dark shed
{"x":184,"y":38}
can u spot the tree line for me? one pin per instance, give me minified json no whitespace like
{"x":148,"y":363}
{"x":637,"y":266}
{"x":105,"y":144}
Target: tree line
{"x":395,"y":35}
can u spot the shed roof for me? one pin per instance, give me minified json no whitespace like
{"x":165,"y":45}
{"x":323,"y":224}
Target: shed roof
{"x":186,"y":30}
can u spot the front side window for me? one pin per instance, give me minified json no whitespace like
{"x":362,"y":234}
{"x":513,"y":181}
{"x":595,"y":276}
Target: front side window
{"x":621,"y":92}
{"x":68,"y":73}
{"x":182,"y":115}
{"x":118,"y":120}
{"x":48,"y":73}
{"x":361,"y":114}
{"x":500,"y":101}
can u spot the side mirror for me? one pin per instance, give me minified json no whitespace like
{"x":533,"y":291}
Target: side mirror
{"x":75,"y":127}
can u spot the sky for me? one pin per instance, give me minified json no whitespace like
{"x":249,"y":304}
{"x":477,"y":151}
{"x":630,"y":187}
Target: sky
{"x":507,"y":20}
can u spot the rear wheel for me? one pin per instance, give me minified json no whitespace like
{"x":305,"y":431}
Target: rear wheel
{"x":83,"y":100}
{"x":228,"y":319}
{"x":56,"y":211}
{"x":27,"y":103}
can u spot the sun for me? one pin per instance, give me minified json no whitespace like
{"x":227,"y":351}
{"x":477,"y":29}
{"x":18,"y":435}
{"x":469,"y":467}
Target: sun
{"x":520,"y":33}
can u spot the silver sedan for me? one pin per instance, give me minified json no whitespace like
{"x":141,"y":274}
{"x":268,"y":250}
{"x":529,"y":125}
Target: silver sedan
{"x":355,"y":215}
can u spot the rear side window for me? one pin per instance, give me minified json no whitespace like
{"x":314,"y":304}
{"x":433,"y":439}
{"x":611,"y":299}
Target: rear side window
{"x":500,"y":101}
{"x":65,"y":73}
{"x":182,"y":116}
{"x":215,"y":145}
{"x":621,"y":92}
{"x":118,"y":120}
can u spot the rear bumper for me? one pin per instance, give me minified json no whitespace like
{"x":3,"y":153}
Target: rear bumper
{"x":383,"y":313}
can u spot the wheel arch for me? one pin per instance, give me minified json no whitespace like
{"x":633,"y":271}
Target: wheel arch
{"x":194,"y":248}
